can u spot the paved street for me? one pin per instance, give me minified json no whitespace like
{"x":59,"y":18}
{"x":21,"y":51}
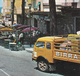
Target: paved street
{"x":19,"y":63}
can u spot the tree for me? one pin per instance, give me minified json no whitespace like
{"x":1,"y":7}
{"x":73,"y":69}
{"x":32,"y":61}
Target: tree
{"x":13,"y":11}
{"x":53,"y":26}
{"x":23,"y":11}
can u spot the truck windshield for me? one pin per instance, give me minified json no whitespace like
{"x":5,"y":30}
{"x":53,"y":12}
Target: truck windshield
{"x":40,"y":44}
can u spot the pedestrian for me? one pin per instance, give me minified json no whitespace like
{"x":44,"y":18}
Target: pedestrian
{"x":78,"y":32}
{"x":21,"y":37}
{"x":11,"y":37}
{"x":34,"y":33}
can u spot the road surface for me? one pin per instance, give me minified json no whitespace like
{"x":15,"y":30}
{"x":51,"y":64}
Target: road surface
{"x":19,"y":63}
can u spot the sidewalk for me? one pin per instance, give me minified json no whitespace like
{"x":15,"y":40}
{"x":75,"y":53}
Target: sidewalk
{"x":28,"y":48}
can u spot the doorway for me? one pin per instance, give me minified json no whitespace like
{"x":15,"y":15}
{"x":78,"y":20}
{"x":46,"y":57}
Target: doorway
{"x":35,"y":22}
{"x":48,"y":26}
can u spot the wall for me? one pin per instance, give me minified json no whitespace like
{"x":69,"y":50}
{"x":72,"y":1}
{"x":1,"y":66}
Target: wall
{"x":18,"y":6}
{"x":65,"y":24}
{"x":41,"y":23}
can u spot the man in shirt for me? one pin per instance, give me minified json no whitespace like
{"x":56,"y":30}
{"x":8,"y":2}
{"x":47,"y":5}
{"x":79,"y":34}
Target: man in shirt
{"x":21,"y":38}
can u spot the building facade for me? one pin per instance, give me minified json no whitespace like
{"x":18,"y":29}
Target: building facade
{"x":41,"y":17}
{"x":7,"y":9}
{"x":66,"y":22}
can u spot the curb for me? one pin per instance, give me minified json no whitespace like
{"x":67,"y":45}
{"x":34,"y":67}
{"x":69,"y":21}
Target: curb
{"x":30,"y":50}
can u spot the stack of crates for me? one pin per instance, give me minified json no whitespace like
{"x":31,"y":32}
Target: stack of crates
{"x":75,"y":42}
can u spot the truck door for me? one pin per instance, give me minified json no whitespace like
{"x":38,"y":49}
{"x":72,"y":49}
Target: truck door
{"x":40,"y":48}
{"x":49,"y":52}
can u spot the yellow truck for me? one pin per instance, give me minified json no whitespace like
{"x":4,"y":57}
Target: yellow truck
{"x":49,"y":50}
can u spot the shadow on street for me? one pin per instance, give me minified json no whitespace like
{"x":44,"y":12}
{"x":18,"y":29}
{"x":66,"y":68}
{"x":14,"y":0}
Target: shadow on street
{"x":64,"y":72}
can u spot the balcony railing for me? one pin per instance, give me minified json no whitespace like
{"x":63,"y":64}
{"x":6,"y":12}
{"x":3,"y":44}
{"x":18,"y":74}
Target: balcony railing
{"x":67,"y":4}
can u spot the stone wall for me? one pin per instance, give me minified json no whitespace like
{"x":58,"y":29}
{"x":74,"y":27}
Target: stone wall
{"x":42,"y":26}
{"x":65,"y":24}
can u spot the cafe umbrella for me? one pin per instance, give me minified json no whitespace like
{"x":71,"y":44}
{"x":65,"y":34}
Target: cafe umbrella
{"x":28,"y":29}
{"x":16,"y":25}
{"x":6,"y":29}
{"x":23,"y":26}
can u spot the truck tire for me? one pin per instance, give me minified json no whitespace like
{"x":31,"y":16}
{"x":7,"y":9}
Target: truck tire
{"x":43,"y":66}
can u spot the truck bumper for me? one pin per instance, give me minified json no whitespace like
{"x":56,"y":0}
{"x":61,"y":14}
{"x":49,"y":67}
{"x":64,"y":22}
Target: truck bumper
{"x":33,"y":59}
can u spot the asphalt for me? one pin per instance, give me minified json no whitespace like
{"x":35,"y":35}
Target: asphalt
{"x":28,"y":48}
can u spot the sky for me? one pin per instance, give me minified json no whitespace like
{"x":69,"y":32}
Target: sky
{"x":1,"y":3}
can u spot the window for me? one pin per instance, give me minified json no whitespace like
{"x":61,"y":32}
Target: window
{"x":48,"y":45}
{"x":40,"y":44}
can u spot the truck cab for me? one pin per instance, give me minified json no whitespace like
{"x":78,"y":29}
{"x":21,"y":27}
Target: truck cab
{"x":43,"y":50}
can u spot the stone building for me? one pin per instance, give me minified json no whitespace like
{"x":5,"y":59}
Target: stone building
{"x":67,"y":17}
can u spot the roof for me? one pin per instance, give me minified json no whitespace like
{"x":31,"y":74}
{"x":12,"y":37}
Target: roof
{"x":48,"y":38}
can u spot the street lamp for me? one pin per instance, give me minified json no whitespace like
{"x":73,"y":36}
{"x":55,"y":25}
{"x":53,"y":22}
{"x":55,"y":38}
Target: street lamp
{"x":30,"y":21}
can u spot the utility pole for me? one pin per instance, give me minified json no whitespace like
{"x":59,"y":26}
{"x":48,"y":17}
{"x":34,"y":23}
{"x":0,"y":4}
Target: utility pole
{"x":12,"y":13}
{"x":23,"y":11}
{"x":53,"y":26}
{"x":30,"y":21}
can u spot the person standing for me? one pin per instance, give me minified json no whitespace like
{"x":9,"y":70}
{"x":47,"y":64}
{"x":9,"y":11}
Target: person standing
{"x":21,"y":37}
{"x":11,"y":37}
{"x":34,"y":33}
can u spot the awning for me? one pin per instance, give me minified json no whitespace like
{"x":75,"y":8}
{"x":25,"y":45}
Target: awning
{"x":16,"y":25}
{"x":28,"y":29}
{"x":23,"y":26}
{"x":6,"y":29}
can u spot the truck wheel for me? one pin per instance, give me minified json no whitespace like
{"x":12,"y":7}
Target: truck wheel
{"x":43,"y":66}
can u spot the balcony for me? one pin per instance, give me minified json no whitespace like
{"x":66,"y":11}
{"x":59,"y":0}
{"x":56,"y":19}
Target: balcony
{"x":71,"y":4}
{"x":66,"y":4}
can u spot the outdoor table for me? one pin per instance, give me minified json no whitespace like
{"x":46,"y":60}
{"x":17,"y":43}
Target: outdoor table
{"x":7,"y":40}
{"x":3,"y":37}
{"x":11,"y":43}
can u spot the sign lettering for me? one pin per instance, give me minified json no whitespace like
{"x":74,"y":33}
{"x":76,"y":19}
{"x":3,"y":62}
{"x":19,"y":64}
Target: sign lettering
{"x":64,"y":54}
{"x":75,"y":56}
